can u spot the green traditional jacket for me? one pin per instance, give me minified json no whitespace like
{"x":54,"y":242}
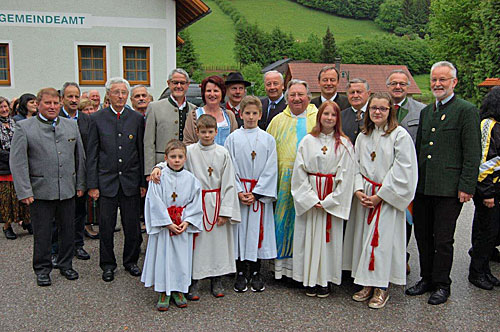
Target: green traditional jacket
{"x":448,"y":149}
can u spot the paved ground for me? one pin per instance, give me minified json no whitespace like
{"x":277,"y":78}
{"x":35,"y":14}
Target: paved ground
{"x":89,"y":304}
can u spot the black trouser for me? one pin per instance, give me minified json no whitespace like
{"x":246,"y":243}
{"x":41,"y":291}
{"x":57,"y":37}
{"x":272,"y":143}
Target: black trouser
{"x":484,"y":232}
{"x":43,"y":214}
{"x":435,"y":220}
{"x":80,"y":218}
{"x":130,"y":212}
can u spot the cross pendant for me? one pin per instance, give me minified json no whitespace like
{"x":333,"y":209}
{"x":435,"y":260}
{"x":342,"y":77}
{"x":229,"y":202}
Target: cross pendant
{"x":324,"y":149}
{"x":210,"y":170}
{"x":253,"y":155}
{"x":174,"y":196}
{"x":373,"y":155}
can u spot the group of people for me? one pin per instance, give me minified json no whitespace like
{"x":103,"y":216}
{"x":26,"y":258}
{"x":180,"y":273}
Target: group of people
{"x":317,"y":186}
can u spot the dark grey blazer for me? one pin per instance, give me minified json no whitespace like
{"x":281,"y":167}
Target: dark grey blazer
{"x":115,"y":155}
{"x":47,"y":162}
{"x":350,"y":125}
{"x":83,"y":125}
{"x":341,"y":100}
{"x":266,"y":119}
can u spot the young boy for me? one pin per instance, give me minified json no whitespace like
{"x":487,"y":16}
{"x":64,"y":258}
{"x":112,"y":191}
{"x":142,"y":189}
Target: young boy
{"x":253,"y":152}
{"x":213,"y":253}
{"x":172,"y":214}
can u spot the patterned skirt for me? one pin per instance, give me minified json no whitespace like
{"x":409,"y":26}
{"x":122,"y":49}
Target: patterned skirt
{"x":11,"y":209}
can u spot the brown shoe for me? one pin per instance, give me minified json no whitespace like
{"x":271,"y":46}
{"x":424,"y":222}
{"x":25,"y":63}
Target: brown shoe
{"x":379,"y":299}
{"x":90,"y":233}
{"x":363,"y":294}
{"x":408,"y":270}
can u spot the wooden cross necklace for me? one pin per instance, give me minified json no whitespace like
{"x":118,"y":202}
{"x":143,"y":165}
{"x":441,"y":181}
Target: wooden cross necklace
{"x":324,"y":148}
{"x":209,"y":169}
{"x":373,"y":155}
{"x":253,"y":154}
{"x":174,"y":194}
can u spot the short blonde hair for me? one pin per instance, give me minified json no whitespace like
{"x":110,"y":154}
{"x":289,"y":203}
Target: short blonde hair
{"x":175,"y":144}
{"x":250,"y":100}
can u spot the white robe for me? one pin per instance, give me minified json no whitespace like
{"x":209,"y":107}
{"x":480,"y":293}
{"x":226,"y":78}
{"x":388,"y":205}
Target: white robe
{"x":316,"y":261}
{"x":264,"y":169}
{"x":168,"y":261}
{"x":395,"y":167}
{"x":213,"y":253}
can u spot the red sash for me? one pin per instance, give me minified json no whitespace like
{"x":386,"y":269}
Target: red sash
{"x":255,"y":207}
{"x":375,"y":187}
{"x":175,"y":213}
{"x":322,"y":193}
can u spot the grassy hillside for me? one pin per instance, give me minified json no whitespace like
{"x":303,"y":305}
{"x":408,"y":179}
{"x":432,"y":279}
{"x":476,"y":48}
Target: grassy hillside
{"x":302,"y":21}
{"x":213,"y":35}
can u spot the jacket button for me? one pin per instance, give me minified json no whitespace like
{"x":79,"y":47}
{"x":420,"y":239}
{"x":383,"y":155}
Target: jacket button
{"x":176,"y":121}
{"x":120,"y":160}
{"x":176,"y":134}
{"x":429,"y":156}
{"x":431,"y":143}
{"x":433,"y":129}
{"x":175,"y":110}
{"x":59,"y":152}
{"x":120,"y":173}
{"x":119,"y":147}
{"x":119,"y":134}
{"x":57,"y":141}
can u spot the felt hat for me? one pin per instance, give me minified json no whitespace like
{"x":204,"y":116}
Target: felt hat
{"x":236,"y":77}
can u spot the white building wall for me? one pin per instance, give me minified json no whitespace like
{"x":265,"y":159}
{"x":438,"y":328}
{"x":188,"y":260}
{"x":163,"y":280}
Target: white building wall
{"x":47,"y":56}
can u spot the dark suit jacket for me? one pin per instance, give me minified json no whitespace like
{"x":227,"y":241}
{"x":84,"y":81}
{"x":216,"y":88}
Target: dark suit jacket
{"x":341,"y":100}
{"x":448,"y":149}
{"x":83,"y":125}
{"x":350,"y":125}
{"x":116,"y":152}
{"x":266,"y":119}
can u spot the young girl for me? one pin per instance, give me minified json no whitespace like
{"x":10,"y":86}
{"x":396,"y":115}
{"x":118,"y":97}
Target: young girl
{"x":322,"y":188}
{"x":172,"y":214}
{"x":385,"y":183}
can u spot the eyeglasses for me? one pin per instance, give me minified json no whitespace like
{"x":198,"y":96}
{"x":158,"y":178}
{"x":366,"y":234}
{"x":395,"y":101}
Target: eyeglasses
{"x":441,"y":80}
{"x":381,"y":109}
{"x":119,"y":92}
{"x":401,"y":84}
{"x":182,"y":83}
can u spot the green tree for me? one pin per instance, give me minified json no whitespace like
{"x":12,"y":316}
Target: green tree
{"x":329,"y":51}
{"x":251,"y":73}
{"x":309,"y":49}
{"x":280,"y":45}
{"x":390,"y":15}
{"x":187,"y":57}
{"x":251,"y":45}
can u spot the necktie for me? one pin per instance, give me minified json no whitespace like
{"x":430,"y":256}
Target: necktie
{"x":359,"y":115}
{"x":439,"y":105}
{"x":118,"y":115}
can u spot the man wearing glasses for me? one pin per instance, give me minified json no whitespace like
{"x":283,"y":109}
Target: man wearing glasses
{"x":449,"y":152}
{"x":165,"y":119}
{"x":115,"y":161}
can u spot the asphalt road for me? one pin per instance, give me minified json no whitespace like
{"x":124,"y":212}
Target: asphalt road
{"x":89,"y":304}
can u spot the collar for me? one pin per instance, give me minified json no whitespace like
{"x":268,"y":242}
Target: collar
{"x":43,"y":119}
{"x":444,"y":101}
{"x":68,"y":116}
{"x":323,"y":99}
{"x":229,"y":106}
{"x":173,"y":170}
{"x":363,"y":109}
{"x":112,"y":109}
{"x":402,"y":102}
{"x":207,"y":147}
{"x":277,"y":101}
{"x":176,"y":104}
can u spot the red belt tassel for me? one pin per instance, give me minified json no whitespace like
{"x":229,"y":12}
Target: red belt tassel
{"x":322,"y":193}
{"x":206,"y":222}
{"x":255,"y":207}
{"x":375,"y":187}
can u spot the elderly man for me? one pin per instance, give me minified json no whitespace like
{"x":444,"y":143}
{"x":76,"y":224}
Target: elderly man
{"x":358,"y":92}
{"x":235,"y":91}
{"x":274,"y":103}
{"x":166,"y":118}
{"x":96,"y":98}
{"x":408,"y":113}
{"x":328,"y":79}
{"x":48,"y":166}
{"x":288,"y":128}
{"x":449,"y":152}
{"x":139,"y":97}
{"x":70,"y":93}
{"x":116,"y":176}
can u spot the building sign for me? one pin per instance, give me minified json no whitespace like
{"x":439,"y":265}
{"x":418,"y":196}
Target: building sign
{"x":44,"y":19}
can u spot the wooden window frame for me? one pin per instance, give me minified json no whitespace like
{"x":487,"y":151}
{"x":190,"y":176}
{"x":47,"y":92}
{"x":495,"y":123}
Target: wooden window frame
{"x":104,"y":66}
{"x":148,"y":65}
{"x":6,"y":82}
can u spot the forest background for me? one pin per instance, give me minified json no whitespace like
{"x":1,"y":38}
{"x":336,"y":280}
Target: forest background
{"x":247,"y":35}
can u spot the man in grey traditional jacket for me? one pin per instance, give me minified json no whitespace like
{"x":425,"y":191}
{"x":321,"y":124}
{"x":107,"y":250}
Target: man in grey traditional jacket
{"x":48,"y":167}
